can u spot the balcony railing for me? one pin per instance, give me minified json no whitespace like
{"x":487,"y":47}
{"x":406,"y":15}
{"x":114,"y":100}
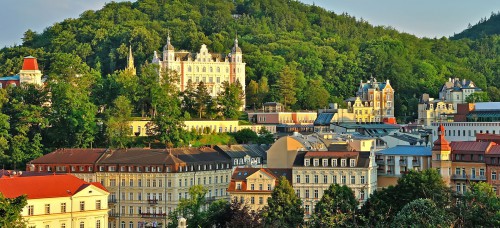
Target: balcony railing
{"x":380,"y":162}
{"x":111,"y":200}
{"x":113,"y":214}
{"x":478,"y":178}
{"x":152,"y":201}
{"x":415,"y":163}
{"x":153,"y":215}
{"x":402,"y":162}
{"x":459,"y":177}
{"x":390,"y":162}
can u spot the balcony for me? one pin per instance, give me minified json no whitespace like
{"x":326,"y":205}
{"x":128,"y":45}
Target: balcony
{"x":113,"y":214}
{"x":459,"y":177}
{"x":478,"y":178}
{"x":152,"y":201}
{"x":380,"y":162}
{"x":415,"y":163}
{"x":390,"y":162}
{"x":111,"y":201}
{"x":153,"y":215}
{"x":402,"y":162}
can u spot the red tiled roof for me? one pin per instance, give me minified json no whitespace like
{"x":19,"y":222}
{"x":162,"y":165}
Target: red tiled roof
{"x":471,"y":146}
{"x":71,"y":156}
{"x":495,"y":149}
{"x":30,"y":63}
{"x":322,"y":154}
{"x":441,"y":143}
{"x":38,"y":187}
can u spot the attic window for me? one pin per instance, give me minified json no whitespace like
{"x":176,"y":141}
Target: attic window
{"x":316,"y":162}
{"x":353,"y":162}
{"x":307,"y":162}
{"x":343,"y":162}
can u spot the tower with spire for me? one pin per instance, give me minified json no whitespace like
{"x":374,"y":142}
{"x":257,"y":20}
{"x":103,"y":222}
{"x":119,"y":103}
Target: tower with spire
{"x":441,"y":155}
{"x":130,"y":62}
{"x":30,"y":72}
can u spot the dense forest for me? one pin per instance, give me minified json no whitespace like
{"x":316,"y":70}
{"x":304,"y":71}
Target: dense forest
{"x":485,"y":27}
{"x":299,"y":54}
{"x":330,"y":50}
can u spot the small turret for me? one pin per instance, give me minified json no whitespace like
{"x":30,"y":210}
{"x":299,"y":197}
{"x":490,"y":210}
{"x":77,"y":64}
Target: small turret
{"x":130,"y":62}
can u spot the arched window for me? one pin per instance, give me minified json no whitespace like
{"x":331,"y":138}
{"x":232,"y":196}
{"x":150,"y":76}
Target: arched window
{"x":82,"y":224}
{"x":204,"y":69}
{"x":197,"y":69}
{"x":189,"y":68}
{"x":218,"y":69}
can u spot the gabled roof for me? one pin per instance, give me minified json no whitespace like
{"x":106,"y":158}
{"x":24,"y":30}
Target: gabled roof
{"x":39,"y":187}
{"x":471,"y":146}
{"x":71,"y":156}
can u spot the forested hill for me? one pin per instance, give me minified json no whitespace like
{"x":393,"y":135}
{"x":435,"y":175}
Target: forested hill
{"x":485,"y":27}
{"x":319,"y":47}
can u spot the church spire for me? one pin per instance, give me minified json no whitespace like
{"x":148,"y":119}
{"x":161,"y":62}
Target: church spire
{"x":130,"y":61}
{"x":236,"y":48}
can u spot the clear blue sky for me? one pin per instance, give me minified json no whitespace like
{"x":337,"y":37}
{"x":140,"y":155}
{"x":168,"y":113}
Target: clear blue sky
{"x":430,"y":18}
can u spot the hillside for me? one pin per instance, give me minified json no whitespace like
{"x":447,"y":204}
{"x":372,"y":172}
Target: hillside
{"x":485,"y":27}
{"x":336,"y":50}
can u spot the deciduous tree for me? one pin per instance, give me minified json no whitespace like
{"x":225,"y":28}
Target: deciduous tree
{"x":284,"y":207}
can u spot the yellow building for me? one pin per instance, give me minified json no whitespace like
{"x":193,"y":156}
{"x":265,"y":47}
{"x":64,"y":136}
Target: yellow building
{"x":430,"y":110}
{"x":59,"y":200}
{"x":375,"y":102}
{"x":144,"y":185}
{"x":213,"y":69}
{"x":253,"y":186}
{"x":141,"y":127}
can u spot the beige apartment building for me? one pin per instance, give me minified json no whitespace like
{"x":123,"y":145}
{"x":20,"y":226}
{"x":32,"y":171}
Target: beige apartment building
{"x":58,"y":200}
{"x":254,"y":186}
{"x":144,"y":185}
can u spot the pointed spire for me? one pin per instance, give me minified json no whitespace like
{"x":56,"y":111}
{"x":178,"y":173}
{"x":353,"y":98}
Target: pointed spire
{"x":130,"y":61}
{"x":236,"y":39}
{"x":168,"y":46}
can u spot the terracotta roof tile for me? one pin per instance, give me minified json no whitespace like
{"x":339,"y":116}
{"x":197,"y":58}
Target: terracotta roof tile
{"x":30,"y":63}
{"x":37,"y":187}
{"x":471,"y":146}
{"x":71,"y":156}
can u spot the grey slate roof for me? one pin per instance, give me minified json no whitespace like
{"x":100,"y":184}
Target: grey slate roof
{"x":407,"y":150}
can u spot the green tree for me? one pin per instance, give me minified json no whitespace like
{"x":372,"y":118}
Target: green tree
{"x":421,"y":213}
{"x":252,"y":94}
{"x":265,"y":136}
{"x":191,"y":208}
{"x":337,"y":208}
{"x":478,"y":207}
{"x":201,"y":98}
{"x":477,"y":97}
{"x":286,"y":86}
{"x":245,"y":136}
{"x":239,"y":215}
{"x":117,"y":126}
{"x":315,"y":95}
{"x":188,"y":102}
{"x":10,"y":211}
{"x":230,"y":100}
{"x":284,"y":207}
{"x":263,"y":90}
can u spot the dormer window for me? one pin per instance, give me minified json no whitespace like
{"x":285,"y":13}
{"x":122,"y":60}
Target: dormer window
{"x":238,"y":186}
{"x":343,"y":162}
{"x":306,"y":162}
{"x":353,"y":162}
{"x":325,"y":162}
{"x":316,"y":162}
{"x":334,"y":162}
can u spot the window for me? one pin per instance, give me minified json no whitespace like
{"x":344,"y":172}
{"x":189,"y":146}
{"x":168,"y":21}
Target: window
{"x":362,"y":179}
{"x":307,"y":209}
{"x":82,"y":224}
{"x":131,"y":183}
{"x":252,"y":200}
{"x":343,"y":162}
{"x":307,"y":193}
{"x":260,"y":187}
{"x":315,"y":179}
{"x":63,"y":207}
{"x":353,"y":162}
{"x":481,"y":172}
{"x":353,"y":179}
{"x":297,"y":192}
{"x":63,"y":225}
{"x":316,"y":194}
{"x":30,"y":210}
{"x":98,"y":224}
{"x":307,"y":179}
{"x":298,"y":179}
{"x":98,"y":204}
{"x":334,"y":162}
{"x":325,"y":162}
{"x":47,"y":208}
{"x":82,"y":205}
{"x":458,"y":187}
{"x":269,"y":187}
{"x":306,"y":162}
{"x":493,"y":175}
{"x":335,"y":179}
{"x":261,"y":200}
{"x":344,"y":179}
{"x":362,"y":195}
{"x":316,"y":162}
{"x":325,"y":179}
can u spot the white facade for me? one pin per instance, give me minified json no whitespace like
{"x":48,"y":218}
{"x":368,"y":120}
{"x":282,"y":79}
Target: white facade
{"x":465,"y":131}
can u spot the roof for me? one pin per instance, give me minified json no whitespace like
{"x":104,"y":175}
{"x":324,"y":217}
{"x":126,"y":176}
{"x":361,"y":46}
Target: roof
{"x":363,"y":159}
{"x":441,"y":143}
{"x":241,"y":174}
{"x":10,"y":78}
{"x":471,"y":146}
{"x":487,"y":106}
{"x":71,"y":156}
{"x":323,"y":119}
{"x":241,"y":150}
{"x":30,"y":63}
{"x":53,"y":186}
{"x":331,"y":154}
{"x":407,"y":150}
{"x":495,"y":150}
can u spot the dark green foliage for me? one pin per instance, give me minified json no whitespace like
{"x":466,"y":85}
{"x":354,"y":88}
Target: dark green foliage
{"x":478,"y":207}
{"x":284,"y":208}
{"x":337,"y":208}
{"x":485,"y":27}
{"x":245,"y":136}
{"x":10,"y":211}
{"x":421,"y":213}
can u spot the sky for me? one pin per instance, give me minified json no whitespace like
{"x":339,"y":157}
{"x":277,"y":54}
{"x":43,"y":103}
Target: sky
{"x":423,"y":18}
